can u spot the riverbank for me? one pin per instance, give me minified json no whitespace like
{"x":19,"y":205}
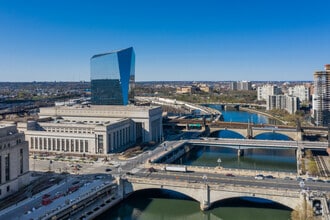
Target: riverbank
{"x":262,"y":113}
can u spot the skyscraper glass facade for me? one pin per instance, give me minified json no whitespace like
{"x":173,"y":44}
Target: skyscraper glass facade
{"x":113,"y":77}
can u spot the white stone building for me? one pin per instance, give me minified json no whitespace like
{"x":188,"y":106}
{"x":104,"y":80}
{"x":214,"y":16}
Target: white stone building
{"x":266,"y":90}
{"x":289,"y":103}
{"x":92,"y":130}
{"x":300,"y":91}
{"x":14,"y":160}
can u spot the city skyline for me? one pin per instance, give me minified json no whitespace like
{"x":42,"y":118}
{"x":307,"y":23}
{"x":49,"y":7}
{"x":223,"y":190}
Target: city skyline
{"x":173,"y":41}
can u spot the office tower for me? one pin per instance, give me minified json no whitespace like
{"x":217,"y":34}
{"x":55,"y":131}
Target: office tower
{"x":321,"y":97}
{"x":113,"y":77}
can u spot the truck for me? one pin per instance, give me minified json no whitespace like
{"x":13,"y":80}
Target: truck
{"x":176,"y":168}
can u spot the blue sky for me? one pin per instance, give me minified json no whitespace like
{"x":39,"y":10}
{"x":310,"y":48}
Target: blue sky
{"x":212,"y":40}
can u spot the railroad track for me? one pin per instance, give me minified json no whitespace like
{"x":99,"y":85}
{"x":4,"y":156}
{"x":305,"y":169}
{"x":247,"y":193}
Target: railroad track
{"x":323,"y":168}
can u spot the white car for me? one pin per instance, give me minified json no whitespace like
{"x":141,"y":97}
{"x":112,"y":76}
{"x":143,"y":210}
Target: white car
{"x":259,"y":177}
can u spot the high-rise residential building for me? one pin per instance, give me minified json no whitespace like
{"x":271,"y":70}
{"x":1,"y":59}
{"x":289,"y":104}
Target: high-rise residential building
{"x":14,"y":160}
{"x":267,"y":90}
{"x":321,"y":97}
{"x":244,"y":85}
{"x":240,"y":85}
{"x":113,"y":77}
{"x":300,"y":91}
{"x":286,"y":102}
{"x":233,"y":85}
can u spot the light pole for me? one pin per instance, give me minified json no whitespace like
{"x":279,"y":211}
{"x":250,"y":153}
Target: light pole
{"x":219,"y":161}
{"x":204,"y":178}
{"x":119,"y":171}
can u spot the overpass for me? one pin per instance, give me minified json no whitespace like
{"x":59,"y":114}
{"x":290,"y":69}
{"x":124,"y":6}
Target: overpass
{"x":210,"y":190}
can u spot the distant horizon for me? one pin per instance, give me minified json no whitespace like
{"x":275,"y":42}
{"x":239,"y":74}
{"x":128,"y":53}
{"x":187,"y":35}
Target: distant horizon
{"x":212,"y":40}
{"x":306,"y":81}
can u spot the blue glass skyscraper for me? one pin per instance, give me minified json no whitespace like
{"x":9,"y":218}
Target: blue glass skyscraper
{"x":113,"y":77}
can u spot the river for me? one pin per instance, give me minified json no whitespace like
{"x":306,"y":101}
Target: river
{"x":163,"y":205}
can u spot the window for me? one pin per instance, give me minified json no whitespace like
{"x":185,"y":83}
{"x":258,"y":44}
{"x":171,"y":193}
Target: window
{"x":8,"y":188}
{"x":99,"y":143}
{"x":21,"y":160}
{"x":86,"y":146}
{"x":7,"y":167}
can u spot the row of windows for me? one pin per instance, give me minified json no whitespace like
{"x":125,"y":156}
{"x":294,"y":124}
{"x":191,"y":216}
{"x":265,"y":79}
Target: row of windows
{"x":71,"y":130}
{"x":57,"y":144}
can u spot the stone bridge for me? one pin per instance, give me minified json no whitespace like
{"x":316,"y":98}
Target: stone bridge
{"x":208,"y":193}
{"x":252,"y":132}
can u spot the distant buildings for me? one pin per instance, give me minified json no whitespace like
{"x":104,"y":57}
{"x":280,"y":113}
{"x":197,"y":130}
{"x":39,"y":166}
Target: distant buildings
{"x":14,"y":160}
{"x":113,"y":77}
{"x":321,"y":97}
{"x":199,"y":87}
{"x":241,"y":85}
{"x":267,"y":90}
{"x":94,"y":130}
{"x":286,"y":102}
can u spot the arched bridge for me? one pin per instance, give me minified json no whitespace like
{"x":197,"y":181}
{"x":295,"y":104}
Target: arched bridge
{"x":207,"y":193}
{"x":252,"y":132}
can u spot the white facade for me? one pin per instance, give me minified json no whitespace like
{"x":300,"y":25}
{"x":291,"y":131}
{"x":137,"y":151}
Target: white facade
{"x":266,"y":90}
{"x":93,"y":130}
{"x":300,"y":91}
{"x":14,"y":160}
{"x":244,"y":85}
{"x":288,"y":103}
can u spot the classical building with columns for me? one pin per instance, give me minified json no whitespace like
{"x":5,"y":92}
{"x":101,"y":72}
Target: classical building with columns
{"x":92,"y":130}
{"x":14,"y":160}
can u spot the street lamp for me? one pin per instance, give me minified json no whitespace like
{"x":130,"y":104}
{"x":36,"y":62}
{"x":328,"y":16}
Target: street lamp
{"x":204,"y":178}
{"x":119,"y":171}
{"x":219,"y":161}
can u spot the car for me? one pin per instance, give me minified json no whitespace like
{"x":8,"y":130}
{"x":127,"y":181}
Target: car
{"x":287,"y":178}
{"x":269,"y":177}
{"x":259,"y":177}
{"x":129,"y":173}
{"x":151,"y":169}
{"x":107,"y":170}
{"x":299,"y":179}
{"x":230,"y":174}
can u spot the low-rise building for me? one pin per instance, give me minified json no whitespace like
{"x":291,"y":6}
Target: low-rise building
{"x":14,"y":160}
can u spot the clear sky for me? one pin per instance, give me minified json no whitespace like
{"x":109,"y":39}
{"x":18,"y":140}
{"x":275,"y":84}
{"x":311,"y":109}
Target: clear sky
{"x":212,"y":40}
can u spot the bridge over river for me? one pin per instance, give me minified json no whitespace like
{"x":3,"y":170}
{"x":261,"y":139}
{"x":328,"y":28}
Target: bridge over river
{"x":207,"y":190}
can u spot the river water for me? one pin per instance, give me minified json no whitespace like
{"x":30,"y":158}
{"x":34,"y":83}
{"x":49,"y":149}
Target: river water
{"x":162,"y":205}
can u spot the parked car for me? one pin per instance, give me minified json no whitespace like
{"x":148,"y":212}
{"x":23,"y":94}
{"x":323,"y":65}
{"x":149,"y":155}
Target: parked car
{"x":230,"y":174}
